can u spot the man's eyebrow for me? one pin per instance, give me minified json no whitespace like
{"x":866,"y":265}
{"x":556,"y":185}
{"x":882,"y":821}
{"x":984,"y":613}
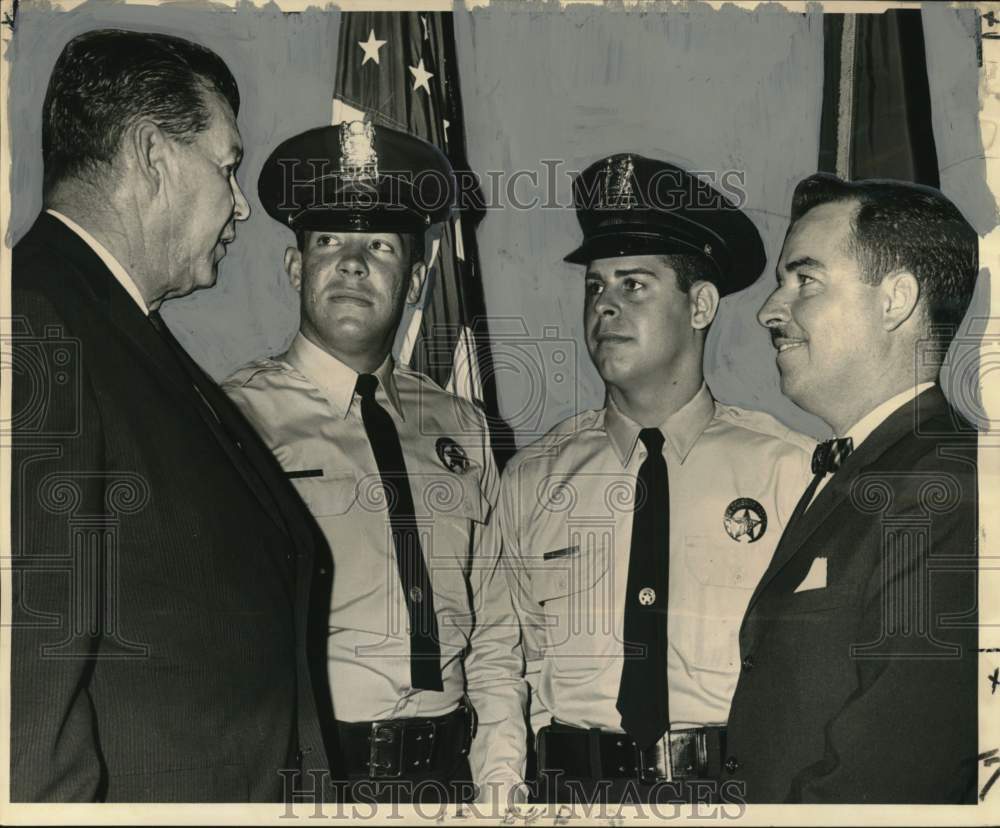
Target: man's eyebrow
{"x":621,"y":273}
{"x":633,"y":271}
{"x":804,"y":261}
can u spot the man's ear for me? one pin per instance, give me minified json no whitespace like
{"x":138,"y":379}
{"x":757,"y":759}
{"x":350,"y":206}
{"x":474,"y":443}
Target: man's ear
{"x":293,"y":267}
{"x":418,"y":272}
{"x":900,"y":295}
{"x":149,"y":153}
{"x":704,"y":297}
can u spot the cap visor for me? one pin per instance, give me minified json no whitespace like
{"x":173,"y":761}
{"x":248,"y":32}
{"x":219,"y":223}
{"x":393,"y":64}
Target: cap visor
{"x":624,"y":244}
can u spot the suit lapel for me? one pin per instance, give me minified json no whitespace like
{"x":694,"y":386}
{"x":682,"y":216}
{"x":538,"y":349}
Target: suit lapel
{"x":898,"y":425}
{"x":126,"y":317}
{"x":225,"y":423}
{"x":113,"y":300}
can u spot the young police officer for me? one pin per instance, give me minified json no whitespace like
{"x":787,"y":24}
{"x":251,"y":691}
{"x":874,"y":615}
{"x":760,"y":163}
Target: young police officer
{"x":636,"y":533}
{"x":398,"y":473}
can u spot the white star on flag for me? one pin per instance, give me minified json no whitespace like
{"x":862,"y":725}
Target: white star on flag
{"x":371,"y":47}
{"x":420,"y":77}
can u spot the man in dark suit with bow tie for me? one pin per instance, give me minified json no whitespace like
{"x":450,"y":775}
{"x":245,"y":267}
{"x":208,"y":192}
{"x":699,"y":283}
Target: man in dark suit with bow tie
{"x":162,"y":565}
{"x":859,"y":645}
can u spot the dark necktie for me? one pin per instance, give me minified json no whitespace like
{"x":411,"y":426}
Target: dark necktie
{"x":642,"y":694}
{"x":827,"y":458}
{"x":425,"y":651}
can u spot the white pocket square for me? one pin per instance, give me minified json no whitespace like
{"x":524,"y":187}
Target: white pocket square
{"x":815,"y":577}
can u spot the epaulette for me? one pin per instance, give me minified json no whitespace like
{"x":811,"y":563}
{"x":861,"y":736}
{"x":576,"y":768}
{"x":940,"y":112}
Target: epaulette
{"x":763,"y":423}
{"x":241,"y":376}
{"x":560,"y":434}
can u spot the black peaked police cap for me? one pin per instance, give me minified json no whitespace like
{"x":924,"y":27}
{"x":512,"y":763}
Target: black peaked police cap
{"x":357,"y":176}
{"x":629,"y":205}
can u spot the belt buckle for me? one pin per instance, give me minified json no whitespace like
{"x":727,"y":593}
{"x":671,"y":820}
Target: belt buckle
{"x":384,"y":762}
{"x":689,"y":753}
{"x":655,"y":762}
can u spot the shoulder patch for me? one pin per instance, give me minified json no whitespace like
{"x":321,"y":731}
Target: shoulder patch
{"x":763,"y":423}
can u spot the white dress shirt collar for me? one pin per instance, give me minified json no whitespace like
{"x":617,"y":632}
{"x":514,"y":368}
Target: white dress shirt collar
{"x":681,"y":429}
{"x":335,"y":379}
{"x":873,"y":419}
{"x":105,"y":255}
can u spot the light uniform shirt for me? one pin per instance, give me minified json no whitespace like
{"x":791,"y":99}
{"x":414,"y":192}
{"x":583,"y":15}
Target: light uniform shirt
{"x":873,"y":419}
{"x":304,"y":406}
{"x":566,"y":513}
{"x":105,"y":255}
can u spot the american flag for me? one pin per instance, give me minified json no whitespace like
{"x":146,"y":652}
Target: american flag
{"x":399,"y":69}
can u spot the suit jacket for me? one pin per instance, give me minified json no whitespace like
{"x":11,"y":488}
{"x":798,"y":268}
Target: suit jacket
{"x":865,"y":690}
{"x":162,"y":563}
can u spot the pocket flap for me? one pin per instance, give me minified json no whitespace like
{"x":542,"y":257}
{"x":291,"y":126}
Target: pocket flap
{"x":326,"y":496}
{"x":449,"y":496}
{"x":573,"y":570}
{"x":737,"y":566}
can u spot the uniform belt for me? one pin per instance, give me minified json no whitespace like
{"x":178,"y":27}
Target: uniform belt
{"x":695,"y":753}
{"x":399,"y":748}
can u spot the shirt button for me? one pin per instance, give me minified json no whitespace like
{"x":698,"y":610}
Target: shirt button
{"x":732,"y":765}
{"x":748,"y":663}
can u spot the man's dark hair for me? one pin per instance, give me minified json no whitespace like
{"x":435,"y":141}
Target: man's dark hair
{"x":106,"y":80}
{"x":415,"y":243}
{"x":691,"y":268}
{"x":902,"y":226}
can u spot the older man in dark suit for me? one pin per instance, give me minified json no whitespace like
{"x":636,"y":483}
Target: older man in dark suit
{"x":859,"y":645}
{"x":162,"y":564}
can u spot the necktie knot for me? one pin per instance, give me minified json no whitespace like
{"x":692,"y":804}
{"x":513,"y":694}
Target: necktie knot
{"x":831,"y":454}
{"x":652,"y":439}
{"x":366,"y":385}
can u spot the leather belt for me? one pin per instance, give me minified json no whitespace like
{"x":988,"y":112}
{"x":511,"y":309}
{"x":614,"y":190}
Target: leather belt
{"x":695,"y":753}
{"x":401,"y":748}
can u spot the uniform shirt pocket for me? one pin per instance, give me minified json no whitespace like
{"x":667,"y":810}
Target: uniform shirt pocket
{"x":443,"y":495}
{"x":575,"y":600}
{"x":328,"y":495}
{"x":568,"y":571}
{"x":707,"y":604}
{"x":713,"y":563}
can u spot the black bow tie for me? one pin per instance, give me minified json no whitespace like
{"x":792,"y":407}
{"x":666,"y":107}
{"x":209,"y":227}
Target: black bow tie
{"x":830,"y":455}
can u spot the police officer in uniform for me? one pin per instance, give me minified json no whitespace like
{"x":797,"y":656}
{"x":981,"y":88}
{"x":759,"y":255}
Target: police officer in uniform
{"x":398,"y":473}
{"x":636,"y":533}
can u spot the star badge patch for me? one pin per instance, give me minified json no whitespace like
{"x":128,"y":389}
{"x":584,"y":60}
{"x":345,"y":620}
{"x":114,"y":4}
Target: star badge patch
{"x":452,"y":455}
{"x":745,"y":520}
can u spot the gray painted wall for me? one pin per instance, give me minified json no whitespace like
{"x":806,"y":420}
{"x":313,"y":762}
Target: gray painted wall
{"x":710,"y":90}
